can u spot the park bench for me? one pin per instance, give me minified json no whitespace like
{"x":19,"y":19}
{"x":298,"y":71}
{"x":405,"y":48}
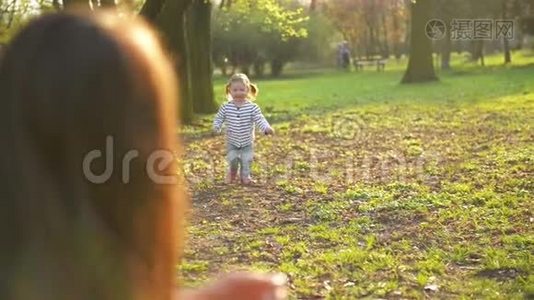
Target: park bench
{"x":379,"y":63}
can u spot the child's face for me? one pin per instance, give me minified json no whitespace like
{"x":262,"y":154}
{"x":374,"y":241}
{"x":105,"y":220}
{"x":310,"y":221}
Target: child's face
{"x":238,"y":90}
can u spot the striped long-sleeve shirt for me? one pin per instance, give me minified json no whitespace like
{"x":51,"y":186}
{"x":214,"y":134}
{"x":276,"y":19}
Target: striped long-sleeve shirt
{"x":240,"y":121}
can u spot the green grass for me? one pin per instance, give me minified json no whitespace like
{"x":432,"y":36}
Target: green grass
{"x":469,"y":82}
{"x":371,"y":189}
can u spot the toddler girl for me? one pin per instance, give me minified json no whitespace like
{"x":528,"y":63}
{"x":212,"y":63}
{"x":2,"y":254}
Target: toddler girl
{"x":240,"y":115}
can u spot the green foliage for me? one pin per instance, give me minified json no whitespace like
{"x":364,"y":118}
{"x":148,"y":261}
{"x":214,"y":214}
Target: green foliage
{"x":255,"y":32}
{"x":321,"y":34}
{"x":15,"y":13}
{"x":267,"y":16}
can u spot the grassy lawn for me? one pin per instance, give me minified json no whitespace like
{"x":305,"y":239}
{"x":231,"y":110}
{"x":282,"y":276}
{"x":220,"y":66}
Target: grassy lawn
{"x":375,"y":189}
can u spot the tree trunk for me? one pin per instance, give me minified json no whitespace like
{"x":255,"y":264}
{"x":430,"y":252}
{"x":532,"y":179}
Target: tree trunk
{"x":198,"y":20}
{"x":76,"y":3}
{"x":420,"y":65}
{"x":478,"y":51}
{"x":506,"y":43}
{"x":385,"y":52}
{"x":245,"y":69}
{"x":407,"y":37}
{"x":171,"y":21}
{"x":507,"y":53}
{"x":107,"y":3}
{"x":276,"y":67}
{"x":396,"y":42}
{"x":372,"y":38}
{"x":151,"y":9}
{"x":259,"y":68}
{"x":446,"y":48}
{"x":55,"y":4}
{"x":313,"y":5}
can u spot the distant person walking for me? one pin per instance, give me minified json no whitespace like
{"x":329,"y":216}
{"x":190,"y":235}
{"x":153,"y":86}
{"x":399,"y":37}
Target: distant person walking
{"x":344,"y":55}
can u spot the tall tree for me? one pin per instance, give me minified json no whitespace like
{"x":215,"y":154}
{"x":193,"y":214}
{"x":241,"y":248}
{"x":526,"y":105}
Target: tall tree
{"x":447,"y":10}
{"x":89,"y":4}
{"x":185,"y":25}
{"x":198,"y":20}
{"x":478,"y":51}
{"x":398,"y":31}
{"x":171,"y":21}
{"x":313,"y":5}
{"x":446,"y":48}
{"x":506,"y":43}
{"x":75,"y":3}
{"x":420,"y":64}
{"x":151,"y":9}
{"x":482,"y":10}
{"x":107,"y":3}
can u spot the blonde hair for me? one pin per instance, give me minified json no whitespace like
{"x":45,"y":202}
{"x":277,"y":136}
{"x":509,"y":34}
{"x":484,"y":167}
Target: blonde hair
{"x":242,"y":78}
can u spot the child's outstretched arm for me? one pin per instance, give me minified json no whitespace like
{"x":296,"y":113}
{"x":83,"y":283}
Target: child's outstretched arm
{"x":261,"y":122}
{"x":219,"y":119}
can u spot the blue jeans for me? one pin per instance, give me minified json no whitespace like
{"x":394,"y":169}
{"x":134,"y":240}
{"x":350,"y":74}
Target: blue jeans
{"x":240,"y":156}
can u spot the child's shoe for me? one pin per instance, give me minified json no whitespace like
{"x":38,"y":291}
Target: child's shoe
{"x":230,"y":177}
{"x":247,"y":180}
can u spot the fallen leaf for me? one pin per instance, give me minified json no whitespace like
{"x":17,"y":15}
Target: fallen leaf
{"x":432,"y":287}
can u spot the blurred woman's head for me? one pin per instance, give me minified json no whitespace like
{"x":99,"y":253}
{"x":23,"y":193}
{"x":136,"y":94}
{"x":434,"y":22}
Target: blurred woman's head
{"x":85,"y":102}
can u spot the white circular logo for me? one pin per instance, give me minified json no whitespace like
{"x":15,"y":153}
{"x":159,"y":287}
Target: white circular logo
{"x":435,"y":29}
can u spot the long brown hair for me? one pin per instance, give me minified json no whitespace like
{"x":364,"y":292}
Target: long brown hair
{"x":69,"y":83}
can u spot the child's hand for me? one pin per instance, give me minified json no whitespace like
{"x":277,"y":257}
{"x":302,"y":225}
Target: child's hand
{"x":269,"y":130}
{"x":215,"y":132}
